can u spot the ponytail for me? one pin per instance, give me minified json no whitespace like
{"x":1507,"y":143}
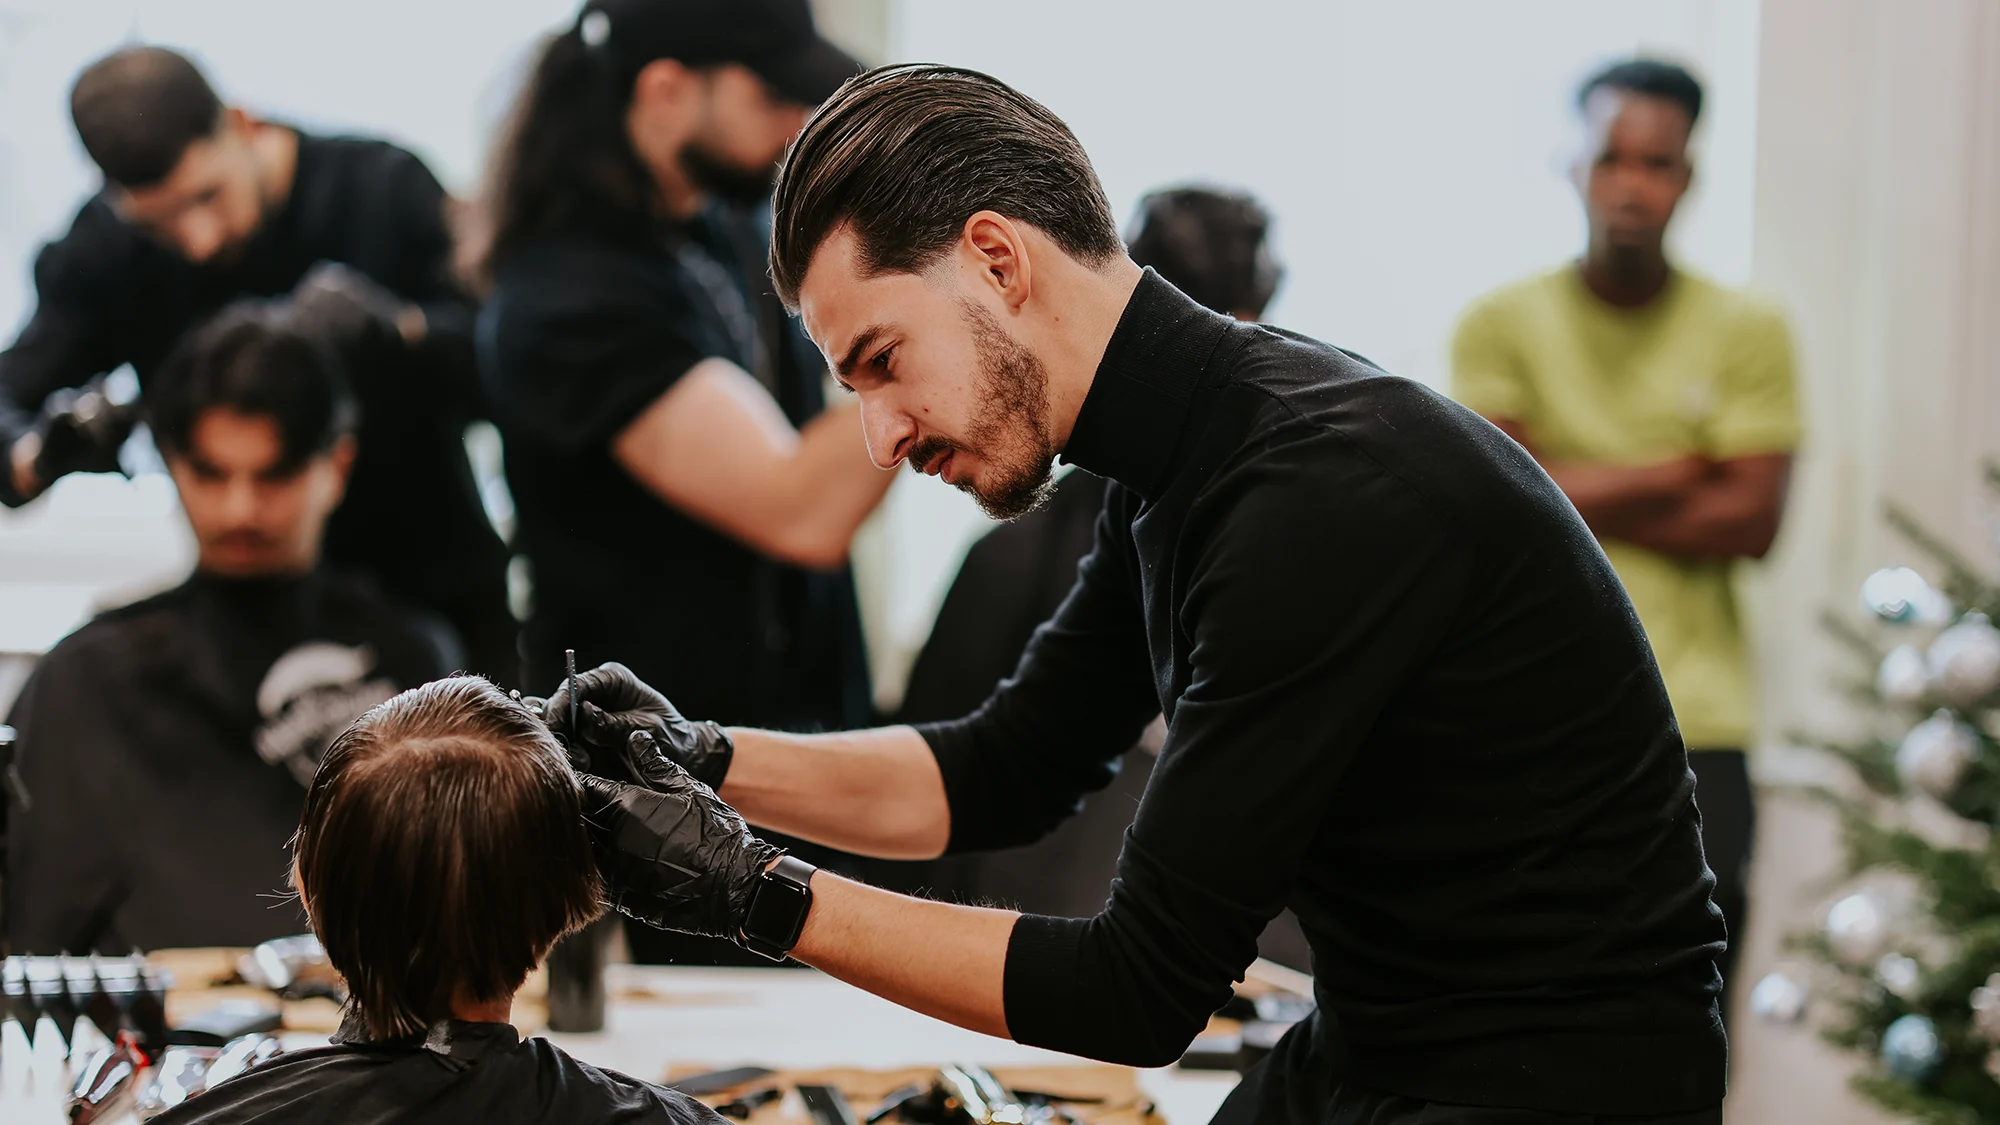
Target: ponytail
{"x":564,"y":161}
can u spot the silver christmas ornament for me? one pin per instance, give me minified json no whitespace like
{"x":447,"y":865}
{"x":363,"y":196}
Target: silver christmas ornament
{"x":1911,"y":1050}
{"x":1904,"y":677}
{"x":1857,"y":928}
{"x":1899,"y":974}
{"x":1985,"y":1005}
{"x":1965,"y":659}
{"x":1900,"y":596}
{"x":1935,"y":753}
{"x":1780,"y":998}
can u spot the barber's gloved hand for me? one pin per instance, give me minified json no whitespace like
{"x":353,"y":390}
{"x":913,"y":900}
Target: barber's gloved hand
{"x":80,"y":430}
{"x":674,"y":856}
{"x":348,"y":309}
{"x":621,"y":719}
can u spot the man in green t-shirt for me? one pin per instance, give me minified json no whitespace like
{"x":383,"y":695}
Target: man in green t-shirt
{"x":1663,"y":404}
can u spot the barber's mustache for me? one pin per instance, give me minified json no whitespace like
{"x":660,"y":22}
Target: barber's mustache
{"x":928,"y":449}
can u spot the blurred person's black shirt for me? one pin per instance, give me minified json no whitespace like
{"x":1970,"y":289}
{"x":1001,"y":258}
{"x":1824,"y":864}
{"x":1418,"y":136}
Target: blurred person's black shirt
{"x":459,"y":1072}
{"x":165,"y":746}
{"x":108,"y":296}
{"x":1406,"y":697}
{"x":580,"y":335}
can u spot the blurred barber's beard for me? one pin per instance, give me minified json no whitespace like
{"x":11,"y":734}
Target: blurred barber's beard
{"x":1009,"y":433}
{"x":729,"y":182}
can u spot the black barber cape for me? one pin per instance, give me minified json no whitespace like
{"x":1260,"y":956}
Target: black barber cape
{"x":581,"y":334}
{"x":412,"y":519}
{"x":1406,"y":697}
{"x":165,"y":748}
{"x":461,"y":1072}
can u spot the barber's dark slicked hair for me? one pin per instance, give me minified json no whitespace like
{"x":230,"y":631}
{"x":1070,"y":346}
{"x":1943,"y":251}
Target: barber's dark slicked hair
{"x":442,"y":852}
{"x":138,"y":110}
{"x":1653,"y":78}
{"x":1211,"y":245}
{"x":251,"y":359}
{"x":905,"y":154}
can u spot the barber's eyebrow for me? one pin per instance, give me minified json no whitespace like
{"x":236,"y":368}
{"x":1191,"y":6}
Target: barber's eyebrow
{"x":862,"y":342}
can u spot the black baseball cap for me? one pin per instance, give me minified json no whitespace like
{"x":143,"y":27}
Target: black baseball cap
{"x":774,"y":38}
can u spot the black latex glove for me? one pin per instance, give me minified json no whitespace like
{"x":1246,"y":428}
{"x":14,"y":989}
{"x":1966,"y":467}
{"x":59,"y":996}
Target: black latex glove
{"x":674,"y":856}
{"x":348,"y":309}
{"x":622,"y":721}
{"x":81,"y":431}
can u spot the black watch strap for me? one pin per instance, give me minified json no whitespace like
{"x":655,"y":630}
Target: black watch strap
{"x":778,"y":908}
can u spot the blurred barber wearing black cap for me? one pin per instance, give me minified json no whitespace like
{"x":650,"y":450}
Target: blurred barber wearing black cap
{"x":686,"y":499}
{"x":203,"y":204}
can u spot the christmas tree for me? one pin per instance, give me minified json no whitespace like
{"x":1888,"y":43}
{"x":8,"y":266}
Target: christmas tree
{"x":1912,"y":980}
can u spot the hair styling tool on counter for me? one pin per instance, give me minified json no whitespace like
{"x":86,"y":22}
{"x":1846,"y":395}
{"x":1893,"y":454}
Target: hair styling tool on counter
{"x":716,"y":1081}
{"x":826,"y":1105}
{"x":105,"y":1083}
{"x":981,"y":1097}
{"x":746,"y":1104}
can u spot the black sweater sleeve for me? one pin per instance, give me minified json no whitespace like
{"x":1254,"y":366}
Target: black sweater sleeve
{"x":1080,"y":697}
{"x":1275,"y":602}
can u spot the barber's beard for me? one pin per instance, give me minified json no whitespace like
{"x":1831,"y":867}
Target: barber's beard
{"x":728,"y":182}
{"x":1009,"y":433}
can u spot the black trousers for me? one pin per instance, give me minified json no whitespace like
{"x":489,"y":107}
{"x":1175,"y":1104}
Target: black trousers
{"x":1358,"y":1107}
{"x":1728,"y":831}
{"x":1298,"y":1085}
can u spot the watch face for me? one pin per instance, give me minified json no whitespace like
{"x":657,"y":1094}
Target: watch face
{"x":777,"y":912}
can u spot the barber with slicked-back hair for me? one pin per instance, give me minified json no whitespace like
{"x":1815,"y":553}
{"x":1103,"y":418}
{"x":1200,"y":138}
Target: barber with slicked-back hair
{"x":1405,"y":694}
{"x":204,"y":204}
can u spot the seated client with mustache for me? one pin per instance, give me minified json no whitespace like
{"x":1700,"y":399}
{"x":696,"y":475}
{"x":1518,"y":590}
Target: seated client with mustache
{"x":441,"y":853}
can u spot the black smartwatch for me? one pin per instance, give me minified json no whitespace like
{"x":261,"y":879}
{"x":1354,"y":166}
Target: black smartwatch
{"x":778,"y":908}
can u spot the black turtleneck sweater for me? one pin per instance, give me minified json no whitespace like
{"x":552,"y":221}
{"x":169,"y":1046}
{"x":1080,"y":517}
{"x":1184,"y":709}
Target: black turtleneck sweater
{"x":165,"y":748}
{"x":1406,"y":697}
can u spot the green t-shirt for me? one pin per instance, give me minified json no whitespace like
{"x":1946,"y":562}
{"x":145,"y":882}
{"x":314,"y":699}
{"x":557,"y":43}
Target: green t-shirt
{"x":1701,"y":370}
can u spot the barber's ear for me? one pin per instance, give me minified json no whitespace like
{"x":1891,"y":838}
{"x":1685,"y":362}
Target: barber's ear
{"x":998,"y":251}
{"x":343,"y":460}
{"x":236,"y":123}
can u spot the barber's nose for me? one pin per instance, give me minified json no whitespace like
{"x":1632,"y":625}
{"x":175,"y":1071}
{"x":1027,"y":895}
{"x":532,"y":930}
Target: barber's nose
{"x":200,"y":237}
{"x":239,"y":501}
{"x":889,"y":433}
